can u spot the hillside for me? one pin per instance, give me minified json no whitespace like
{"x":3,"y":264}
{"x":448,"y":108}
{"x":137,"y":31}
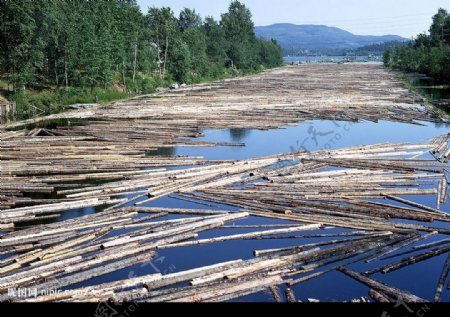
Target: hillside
{"x":318,"y":38}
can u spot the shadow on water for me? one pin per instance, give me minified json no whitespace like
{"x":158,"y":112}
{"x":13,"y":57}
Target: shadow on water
{"x":239,"y":135}
{"x":428,"y":87}
{"x":53,"y":124}
{"x":163,"y":151}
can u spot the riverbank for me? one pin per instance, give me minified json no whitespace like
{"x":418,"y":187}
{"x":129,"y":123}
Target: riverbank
{"x":309,"y":91}
{"x":32,"y":104}
{"x":435,"y":94}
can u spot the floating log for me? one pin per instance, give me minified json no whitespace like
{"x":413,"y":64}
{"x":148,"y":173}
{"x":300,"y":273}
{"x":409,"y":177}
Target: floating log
{"x":245,"y":235}
{"x":379,"y":297}
{"x":275,"y":290}
{"x":290,"y":296}
{"x":414,"y":204}
{"x":383,"y":288}
{"x":431,"y":244}
{"x":401,"y":245}
{"x":442,"y":279}
{"x":411,"y":260}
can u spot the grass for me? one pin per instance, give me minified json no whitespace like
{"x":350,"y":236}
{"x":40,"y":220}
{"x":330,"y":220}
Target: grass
{"x":32,"y":103}
{"x":3,"y":85}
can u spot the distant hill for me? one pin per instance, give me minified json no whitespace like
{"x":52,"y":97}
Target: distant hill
{"x":319,"y":38}
{"x":377,"y":49}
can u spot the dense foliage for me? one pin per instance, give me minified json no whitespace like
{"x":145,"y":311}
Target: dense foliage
{"x":62,"y":46}
{"x":378,"y":48}
{"x":428,"y":54}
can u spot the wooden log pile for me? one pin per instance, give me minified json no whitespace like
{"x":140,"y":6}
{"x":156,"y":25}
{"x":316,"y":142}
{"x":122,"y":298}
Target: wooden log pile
{"x":311,"y":190}
{"x":337,"y":188}
{"x":440,"y":147}
{"x":68,"y":252}
{"x":53,"y":265}
{"x":122,"y":157}
{"x":104,"y":144}
{"x":285,"y":95}
{"x":218,"y":282}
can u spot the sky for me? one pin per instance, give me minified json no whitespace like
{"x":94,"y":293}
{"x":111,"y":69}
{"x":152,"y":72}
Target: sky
{"x":406,"y":18}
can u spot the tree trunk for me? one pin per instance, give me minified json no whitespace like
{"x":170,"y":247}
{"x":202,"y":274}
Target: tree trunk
{"x":165,"y":55}
{"x":135,"y":62}
{"x":66,"y":76}
{"x":159,"y":52}
{"x":56,"y":74}
{"x":123,"y":76}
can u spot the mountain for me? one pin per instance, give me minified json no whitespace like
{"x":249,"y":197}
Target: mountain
{"x":318,"y":38}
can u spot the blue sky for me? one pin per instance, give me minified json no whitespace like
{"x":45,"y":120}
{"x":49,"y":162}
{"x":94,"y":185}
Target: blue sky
{"x":365,"y":17}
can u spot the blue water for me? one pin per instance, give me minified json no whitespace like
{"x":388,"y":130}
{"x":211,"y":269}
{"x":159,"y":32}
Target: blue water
{"x":333,"y":59}
{"x":420,"y":279}
{"x":312,"y":136}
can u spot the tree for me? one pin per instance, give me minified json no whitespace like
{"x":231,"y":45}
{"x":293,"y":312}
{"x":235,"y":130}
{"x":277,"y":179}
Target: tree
{"x":195,"y":40}
{"x":426,"y":54}
{"x":422,"y":41}
{"x":21,"y":45}
{"x":269,"y":53}
{"x":239,"y":33}
{"x":128,"y":39}
{"x":216,"y":42}
{"x":56,"y":39}
{"x":81,"y":44}
{"x":437,"y":27}
{"x":180,"y":61}
{"x":447,"y":30}
{"x":164,"y":32}
{"x":189,"y":19}
{"x":388,"y":57}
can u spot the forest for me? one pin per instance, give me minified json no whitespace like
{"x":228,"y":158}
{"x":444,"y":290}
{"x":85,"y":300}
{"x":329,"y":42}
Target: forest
{"x":55,"y":52}
{"x":427,"y":54}
{"x":377,"y":49}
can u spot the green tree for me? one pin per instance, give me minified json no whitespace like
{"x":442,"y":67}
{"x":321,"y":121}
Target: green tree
{"x":437,"y":30}
{"x":56,"y":39}
{"x":447,"y":30}
{"x":21,"y":44}
{"x":189,"y":19}
{"x":388,"y":57}
{"x":195,"y":40}
{"x":422,"y":41}
{"x":239,"y":33}
{"x":128,"y":39}
{"x":91,"y":46}
{"x":164,"y":33}
{"x":269,"y":53}
{"x":180,"y":61}
{"x":216,"y":49}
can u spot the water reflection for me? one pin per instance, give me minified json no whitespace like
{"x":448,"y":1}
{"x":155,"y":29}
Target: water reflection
{"x":430,"y":88}
{"x":163,"y":151}
{"x":239,"y":135}
{"x":442,"y":124}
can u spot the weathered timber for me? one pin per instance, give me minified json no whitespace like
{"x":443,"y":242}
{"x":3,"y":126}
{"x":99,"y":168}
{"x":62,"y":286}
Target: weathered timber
{"x":381,"y":287}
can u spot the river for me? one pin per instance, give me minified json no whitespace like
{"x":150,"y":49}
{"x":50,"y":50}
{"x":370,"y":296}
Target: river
{"x":327,"y":59}
{"x":420,"y":279}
